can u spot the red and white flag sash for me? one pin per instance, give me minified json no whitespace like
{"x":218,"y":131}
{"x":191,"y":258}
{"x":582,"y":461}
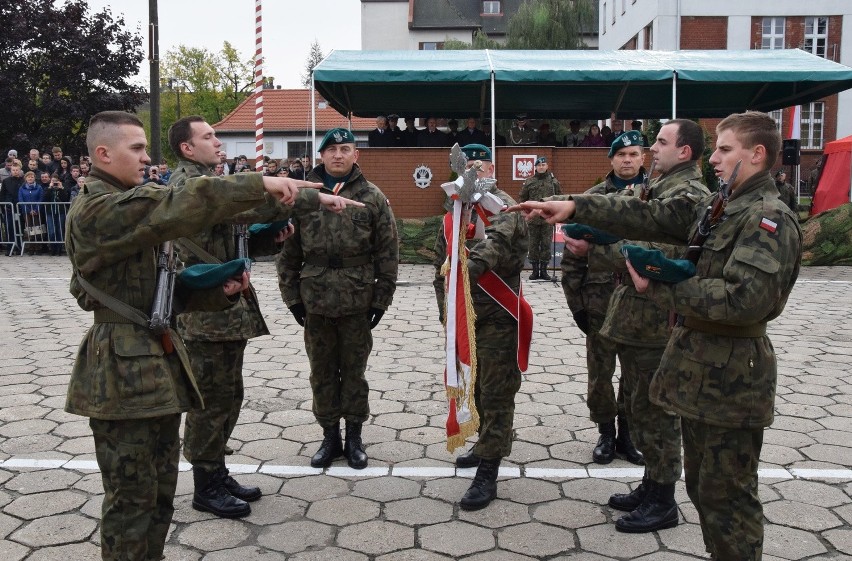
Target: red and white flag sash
{"x":460,"y":371}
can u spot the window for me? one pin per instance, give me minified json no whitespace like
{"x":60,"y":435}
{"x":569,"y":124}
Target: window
{"x":778,"y":117}
{"x":432,"y":46}
{"x":772,"y":33}
{"x":812,"y":119}
{"x":297,"y":149}
{"x":623,"y":6}
{"x":649,"y":36}
{"x":816,"y":35}
{"x":491,"y":7}
{"x":603,"y":19}
{"x":613,"y":12}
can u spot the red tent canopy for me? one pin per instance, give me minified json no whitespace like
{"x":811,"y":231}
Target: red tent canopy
{"x":835,"y":184}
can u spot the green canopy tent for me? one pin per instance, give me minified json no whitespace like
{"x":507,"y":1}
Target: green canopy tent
{"x":586,"y":84}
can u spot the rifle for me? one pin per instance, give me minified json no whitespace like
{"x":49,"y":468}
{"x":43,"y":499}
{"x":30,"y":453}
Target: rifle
{"x":712,"y":216}
{"x":645,"y":193}
{"x":242,"y":233}
{"x":161,"y":309}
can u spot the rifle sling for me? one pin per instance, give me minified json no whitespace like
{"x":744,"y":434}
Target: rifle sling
{"x":199,"y":251}
{"x":121,"y":312}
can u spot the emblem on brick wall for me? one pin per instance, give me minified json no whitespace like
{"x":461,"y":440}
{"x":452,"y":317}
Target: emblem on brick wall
{"x":422,"y":176}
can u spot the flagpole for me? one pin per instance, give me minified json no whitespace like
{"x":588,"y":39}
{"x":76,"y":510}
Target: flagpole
{"x":258,"y":84}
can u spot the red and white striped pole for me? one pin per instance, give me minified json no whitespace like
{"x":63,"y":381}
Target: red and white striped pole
{"x":258,"y":84}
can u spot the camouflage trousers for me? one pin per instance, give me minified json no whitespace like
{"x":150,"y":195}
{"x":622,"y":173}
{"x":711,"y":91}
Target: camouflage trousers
{"x":498,"y":380}
{"x":218,"y":369}
{"x":655,"y":431}
{"x":138,"y":459}
{"x":721,"y":481}
{"x":338,"y":349}
{"x":601,"y":397}
{"x":541,"y":240}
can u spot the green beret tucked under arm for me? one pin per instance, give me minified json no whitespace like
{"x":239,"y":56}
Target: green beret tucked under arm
{"x":208,"y":275}
{"x":653,"y":264}
{"x":591,"y":235}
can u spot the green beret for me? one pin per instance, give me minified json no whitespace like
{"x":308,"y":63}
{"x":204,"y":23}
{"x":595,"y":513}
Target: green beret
{"x":210,"y":275}
{"x":629,"y":138}
{"x":337,"y":136}
{"x":477,"y":152}
{"x":591,"y":235}
{"x":540,"y":160}
{"x":653,"y":264}
{"x":273,"y":227}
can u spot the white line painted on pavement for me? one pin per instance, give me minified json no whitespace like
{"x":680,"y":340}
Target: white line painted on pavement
{"x":432,"y":471}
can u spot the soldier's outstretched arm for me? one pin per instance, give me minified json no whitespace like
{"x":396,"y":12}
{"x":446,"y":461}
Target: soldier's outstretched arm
{"x":553,"y":212}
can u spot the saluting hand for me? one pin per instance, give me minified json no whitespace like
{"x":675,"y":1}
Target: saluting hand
{"x":285,"y":189}
{"x":335,"y":203}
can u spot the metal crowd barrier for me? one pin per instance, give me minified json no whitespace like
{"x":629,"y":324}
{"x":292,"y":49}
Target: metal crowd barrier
{"x":39,"y":224}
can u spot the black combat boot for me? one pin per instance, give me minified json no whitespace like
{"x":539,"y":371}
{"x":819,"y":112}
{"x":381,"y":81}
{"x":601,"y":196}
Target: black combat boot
{"x":211,"y":496}
{"x":629,"y":502}
{"x":535,"y":273}
{"x":248,"y":494}
{"x":542,"y":272}
{"x":353,"y":449}
{"x":483,"y":490}
{"x":624,"y":444}
{"x":605,"y":450}
{"x":467,"y":460}
{"x":330,"y":448}
{"x":657,"y":511}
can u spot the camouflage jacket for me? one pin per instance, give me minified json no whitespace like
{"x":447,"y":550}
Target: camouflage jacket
{"x":633,"y":318}
{"x":312,"y":266}
{"x":113,"y":234}
{"x":537,"y":188}
{"x":584,"y":289}
{"x":503,"y":251}
{"x":745,"y":274}
{"x":243,"y":320}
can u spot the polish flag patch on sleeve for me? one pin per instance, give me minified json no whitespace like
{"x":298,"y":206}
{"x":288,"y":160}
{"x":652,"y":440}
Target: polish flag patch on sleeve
{"x":768,"y":225}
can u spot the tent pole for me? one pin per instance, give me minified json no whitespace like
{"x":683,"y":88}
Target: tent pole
{"x":493,"y":124}
{"x":313,"y":120}
{"x":674,"y":94}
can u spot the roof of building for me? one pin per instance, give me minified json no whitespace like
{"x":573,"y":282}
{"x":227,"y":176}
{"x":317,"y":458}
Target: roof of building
{"x":288,"y":110}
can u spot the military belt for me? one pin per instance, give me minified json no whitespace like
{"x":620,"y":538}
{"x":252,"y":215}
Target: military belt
{"x":335,"y":262}
{"x":105,"y":315}
{"x":756,"y":330}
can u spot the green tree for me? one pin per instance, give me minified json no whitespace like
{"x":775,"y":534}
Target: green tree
{"x":315,"y":56}
{"x":61,"y":64}
{"x":203,"y":82}
{"x":480,"y":41}
{"x":550,"y":25}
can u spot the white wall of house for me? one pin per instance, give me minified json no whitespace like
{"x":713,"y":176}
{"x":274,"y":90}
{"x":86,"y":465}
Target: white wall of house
{"x":384,"y":26}
{"x":275,"y":145}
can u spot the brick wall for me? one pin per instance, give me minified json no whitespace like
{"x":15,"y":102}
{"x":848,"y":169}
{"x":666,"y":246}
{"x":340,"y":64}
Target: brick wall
{"x":709,"y":33}
{"x":392,"y":169}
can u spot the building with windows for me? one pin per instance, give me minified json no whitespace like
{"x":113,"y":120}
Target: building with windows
{"x":286,"y":125}
{"x":425,"y":24}
{"x":816,"y":26}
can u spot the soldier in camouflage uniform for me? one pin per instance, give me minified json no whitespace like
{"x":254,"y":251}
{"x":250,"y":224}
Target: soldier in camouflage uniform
{"x":124,"y":379}
{"x":337,"y":275}
{"x":588,"y":293}
{"x":640,"y":330}
{"x":719,"y":369}
{"x":216,"y":340}
{"x":498,"y":376}
{"x":536,"y":188}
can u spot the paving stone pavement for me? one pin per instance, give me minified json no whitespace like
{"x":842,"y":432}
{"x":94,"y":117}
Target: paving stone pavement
{"x":404,"y":506}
